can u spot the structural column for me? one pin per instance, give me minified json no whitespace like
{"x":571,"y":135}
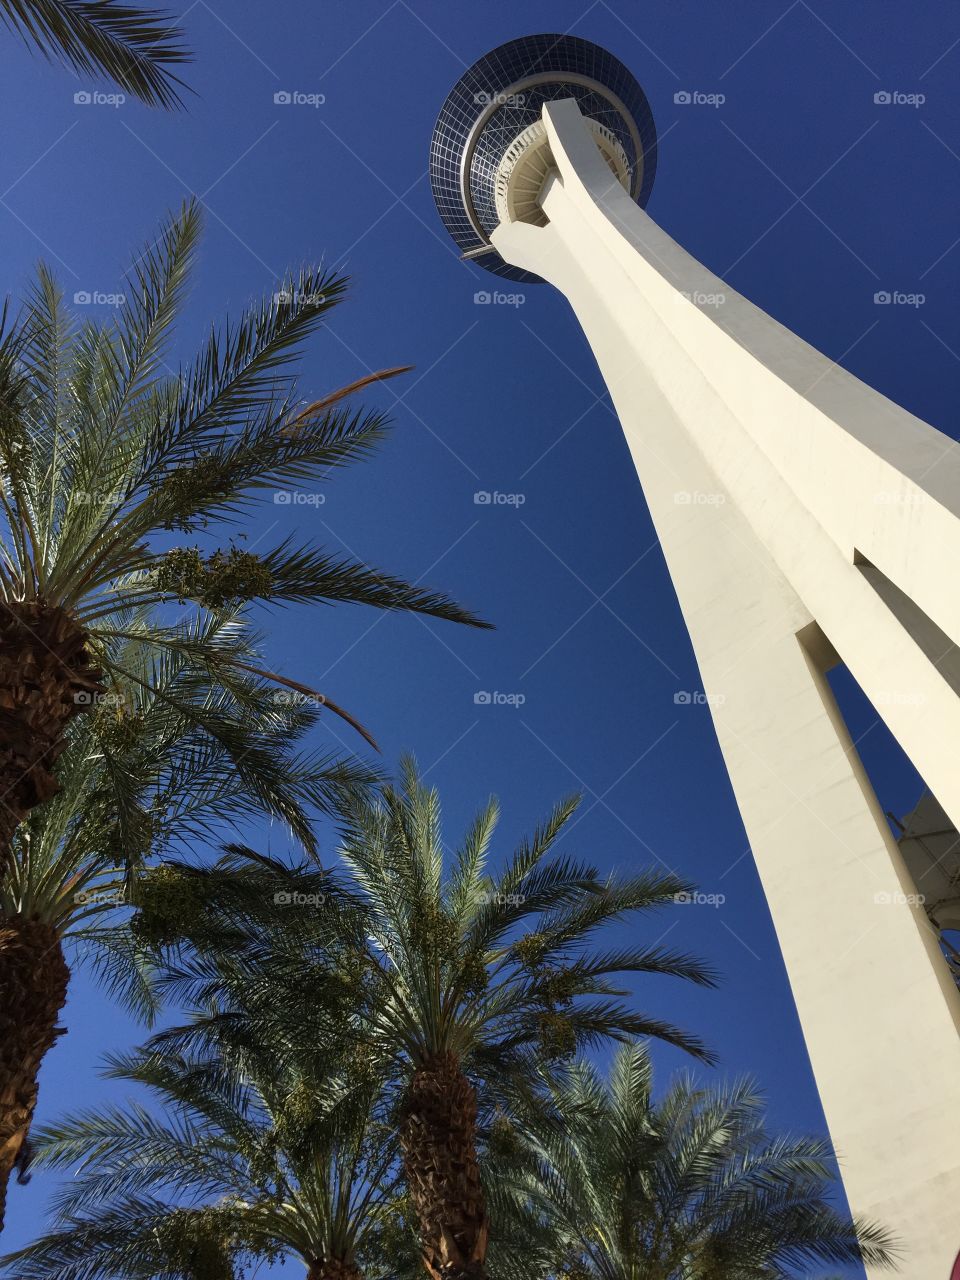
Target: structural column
{"x":805,"y":519}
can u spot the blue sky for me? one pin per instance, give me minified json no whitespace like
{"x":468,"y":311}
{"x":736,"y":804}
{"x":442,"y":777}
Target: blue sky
{"x":799,"y":189}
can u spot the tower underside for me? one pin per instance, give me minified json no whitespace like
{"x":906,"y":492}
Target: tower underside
{"x":829,"y":531}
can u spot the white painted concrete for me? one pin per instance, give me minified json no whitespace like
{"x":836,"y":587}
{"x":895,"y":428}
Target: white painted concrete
{"x":793,"y":467}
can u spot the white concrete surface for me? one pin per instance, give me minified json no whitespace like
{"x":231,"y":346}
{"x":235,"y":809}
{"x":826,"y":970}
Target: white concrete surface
{"x":803,"y":516}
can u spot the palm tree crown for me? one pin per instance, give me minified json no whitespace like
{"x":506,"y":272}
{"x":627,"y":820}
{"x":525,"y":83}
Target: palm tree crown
{"x":606,"y":1183}
{"x":252,"y":1157}
{"x":169,"y":760}
{"x":458,"y":976}
{"x":105,"y":455}
{"x":153,"y":768}
{"x":475,"y":974}
{"x":482,"y":965}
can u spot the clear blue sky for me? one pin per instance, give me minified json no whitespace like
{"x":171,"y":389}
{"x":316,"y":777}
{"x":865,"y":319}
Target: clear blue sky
{"x":799,"y":190}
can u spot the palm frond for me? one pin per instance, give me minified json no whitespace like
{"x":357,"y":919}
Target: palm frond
{"x":689,"y":1187}
{"x":133,"y":46}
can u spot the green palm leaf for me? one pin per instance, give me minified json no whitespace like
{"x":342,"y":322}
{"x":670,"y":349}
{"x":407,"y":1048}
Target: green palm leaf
{"x":456,"y":981}
{"x":104,"y":454}
{"x":135,"y":47}
{"x":249,"y":1151}
{"x":609,"y":1182}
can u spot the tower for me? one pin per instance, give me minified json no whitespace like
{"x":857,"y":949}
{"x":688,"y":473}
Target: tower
{"x":821,"y":525}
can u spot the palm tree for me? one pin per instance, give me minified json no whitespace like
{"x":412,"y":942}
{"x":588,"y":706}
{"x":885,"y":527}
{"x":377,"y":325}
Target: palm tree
{"x":104,"y":454}
{"x":608,"y":1184}
{"x":465,"y":979}
{"x":110,"y":39}
{"x":157,"y":766}
{"x":254,"y":1155}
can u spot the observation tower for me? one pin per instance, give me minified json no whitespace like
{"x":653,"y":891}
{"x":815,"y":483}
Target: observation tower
{"x":828,"y":531}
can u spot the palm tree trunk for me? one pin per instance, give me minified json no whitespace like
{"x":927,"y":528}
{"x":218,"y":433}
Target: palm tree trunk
{"x":46,"y":678}
{"x":438,"y":1140}
{"x":33,"y":989}
{"x":334,"y":1269}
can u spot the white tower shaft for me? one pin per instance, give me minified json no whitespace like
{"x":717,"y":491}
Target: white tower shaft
{"x":822,"y":524}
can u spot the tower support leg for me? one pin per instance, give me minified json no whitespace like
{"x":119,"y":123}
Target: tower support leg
{"x":804,"y":519}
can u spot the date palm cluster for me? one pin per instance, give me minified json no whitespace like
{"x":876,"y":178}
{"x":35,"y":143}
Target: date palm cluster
{"x":380,"y":1062}
{"x":381,"y":1067}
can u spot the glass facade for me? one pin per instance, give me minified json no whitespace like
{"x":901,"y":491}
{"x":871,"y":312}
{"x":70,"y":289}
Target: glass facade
{"x":507,"y":89}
